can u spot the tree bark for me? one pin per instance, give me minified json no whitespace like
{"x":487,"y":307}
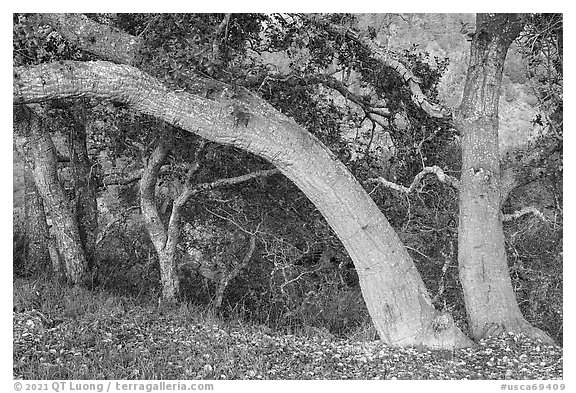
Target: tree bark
{"x":36,"y":255}
{"x":395,"y":295}
{"x":490,"y":301}
{"x":165,"y":247}
{"x":84,"y":184}
{"x":45,"y":173}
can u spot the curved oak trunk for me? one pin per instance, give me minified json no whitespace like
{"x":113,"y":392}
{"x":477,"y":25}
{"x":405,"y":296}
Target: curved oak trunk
{"x":395,"y":295}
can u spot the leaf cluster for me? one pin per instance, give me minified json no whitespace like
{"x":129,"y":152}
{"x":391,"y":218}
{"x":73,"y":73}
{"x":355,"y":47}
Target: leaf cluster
{"x":35,"y":42}
{"x":176,"y":46}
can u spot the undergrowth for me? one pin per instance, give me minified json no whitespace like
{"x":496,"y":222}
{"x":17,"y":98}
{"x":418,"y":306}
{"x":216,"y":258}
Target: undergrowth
{"x":74,"y":333}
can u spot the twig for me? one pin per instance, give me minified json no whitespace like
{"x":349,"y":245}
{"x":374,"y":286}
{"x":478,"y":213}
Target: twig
{"x":106,"y":229}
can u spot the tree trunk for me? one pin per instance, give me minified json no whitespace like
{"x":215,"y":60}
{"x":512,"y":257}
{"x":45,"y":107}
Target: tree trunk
{"x":36,"y":254}
{"x":490,"y":301}
{"x":165,"y":249}
{"x":84,"y":185}
{"x":45,"y":173}
{"x":229,"y":275}
{"x":395,"y":295}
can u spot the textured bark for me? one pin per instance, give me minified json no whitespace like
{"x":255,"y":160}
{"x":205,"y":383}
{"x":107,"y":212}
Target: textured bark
{"x":36,"y":255}
{"x":165,"y":247}
{"x":490,"y":301}
{"x":44,"y":159}
{"x":58,"y":273}
{"x":444,"y":178}
{"x":84,"y":184}
{"x":395,"y":295}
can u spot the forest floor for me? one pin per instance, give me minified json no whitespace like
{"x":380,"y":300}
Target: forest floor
{"x":78,"y":334}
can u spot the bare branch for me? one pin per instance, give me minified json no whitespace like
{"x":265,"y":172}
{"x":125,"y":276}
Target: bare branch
{"x":228,"y":276}
{"x":444,"y":178}
{"x":363,"y":102}
{"x":447,"y":262}
{"x":233,"y":180}
{"x":452,"y":181}
{"x":233,"y":222}
{"x":334,"y":84}
{"x":195,"y":165}
{"x":180,"y":201}
{"x":522,"y":212}
{"x":122,"y":179}
{"x":121,"y":217}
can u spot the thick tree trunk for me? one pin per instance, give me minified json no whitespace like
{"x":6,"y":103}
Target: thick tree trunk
{"x":36,"y":254}
{"x":395,"y":295}
{"x":84,"y":185}
{"x":490,"y":301}
{"x":43,"y":157}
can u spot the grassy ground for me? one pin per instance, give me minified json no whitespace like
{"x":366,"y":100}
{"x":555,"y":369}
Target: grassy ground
{"x":64,"y":333}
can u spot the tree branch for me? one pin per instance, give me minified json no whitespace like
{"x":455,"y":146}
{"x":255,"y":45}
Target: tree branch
{"x":189,"y":192}
{"x":233,"y":180}
{"x":123,"y":47}
{"x":228,"y":276}
{"x":334,"y":84}
{"x":122,"y":216}
{"x":444,"y":178}
{"x":519,"y":213}
{"x":222,"y":28}
{"x":388,"y":59}
{"x":361,"y":101}
{"x":152,"y":219}
{"x":122,"y":179}
{"x":134,"y":176}
{"x":452,"y":181}
{"x":181,"y":199}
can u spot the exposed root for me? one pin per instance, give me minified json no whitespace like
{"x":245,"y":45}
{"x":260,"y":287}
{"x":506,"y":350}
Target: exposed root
{"x":517,"y":327}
